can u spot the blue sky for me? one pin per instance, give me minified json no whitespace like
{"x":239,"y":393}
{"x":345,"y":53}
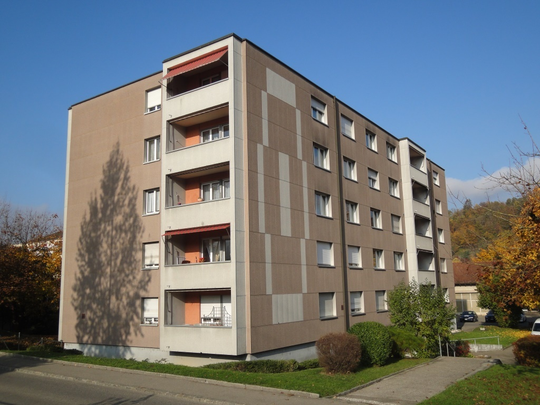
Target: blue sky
{"x":454,"y":76}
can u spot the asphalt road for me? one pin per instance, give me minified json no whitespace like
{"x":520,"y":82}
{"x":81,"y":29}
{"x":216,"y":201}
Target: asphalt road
{"x":25,"y":389}
{"x":469,"y":326}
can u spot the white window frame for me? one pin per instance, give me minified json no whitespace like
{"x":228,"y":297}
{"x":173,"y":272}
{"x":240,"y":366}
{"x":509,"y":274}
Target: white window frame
{"x":149,"y":311}
{"x":223,"y":188}
{"x":373,"y":179}
{"x":442,"y":263}
{"x":378,"y":259}
{"x":440,"y":235}
{"x":151,"y":255}
{"x":318,"y":110}
{"x":393,"y":187}
{"x":391,"y":152}
{"x":152,"y":150}
{"x":151,"y":201}
{"x":351,"y":212}
{"x":436,"y":178}
{"x":357,"y":302}
{"x":380,"y":301}
{"x":320,"y":157}
{"x":399,"y":263}
{"x":396,"y":224}
{"x":213,"y":256}
{"x":371,"y":141}
{"x":210,"y":79}
{"x":327,"y":305}
{"x":323,"y":206}
{"x":375,"y":216}
{"x":325,"y":254}
{"x":438,"y":207}
{"x":354,"y":256}
{"x":349,"y":169}
{"x":215,"y":133}
{"x":347,"y":127}
{"x":153,"y":100}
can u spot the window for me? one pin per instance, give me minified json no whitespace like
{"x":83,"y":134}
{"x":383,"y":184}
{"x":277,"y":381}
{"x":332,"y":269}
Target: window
{"x":215,"y":190}
{"x":398,"y":261}
{"x":378,"y":259}
{"x":151,"y":255}
{"x":375,"y":218}
{"x":352,"y":212}
{"x":371,"y":141}
{"x":149,"y":311}
{"x":213,"y":134}
{"x":435,"y":178}
{"x":216,"y":250}
{"x":151,"y":201}
{"x":327,"y":305}
{"x":446,"y":295}
{"x":353,"y":256}
{"x":325,"y":254}
{"x":391,"y":152}
{"x":151,"y":149}
{"x":357,"y":302}
{"x":396,"y":224}
{"x":318,"y":110}
{"x":393,"y":187}
{"x":347,"y":128}
{"x":443,"y":265}
{"x":153,"y":100}
{"x":209,"y":80}
{"x":438,"y":207}
{"x":349,"y":169}
{"x":322,"y":205}
{"x":320,"y":157}
{"x":440,"y":234}
{"x":380,"y":300}
{"x":373,"y":179}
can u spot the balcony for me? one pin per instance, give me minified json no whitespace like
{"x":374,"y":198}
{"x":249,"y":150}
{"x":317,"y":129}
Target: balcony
{"x":200,"y":308}
{"x":425,"y":261}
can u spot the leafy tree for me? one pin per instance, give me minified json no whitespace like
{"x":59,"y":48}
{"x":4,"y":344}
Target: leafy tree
{"x":422,"y":309}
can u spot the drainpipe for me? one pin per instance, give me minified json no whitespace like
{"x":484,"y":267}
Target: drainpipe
{"x":344,"y":258}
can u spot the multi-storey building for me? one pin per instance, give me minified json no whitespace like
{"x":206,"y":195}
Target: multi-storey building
{"x":227,"y":206}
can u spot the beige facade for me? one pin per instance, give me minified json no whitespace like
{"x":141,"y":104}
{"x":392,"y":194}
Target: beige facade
{"x":246,"y":215}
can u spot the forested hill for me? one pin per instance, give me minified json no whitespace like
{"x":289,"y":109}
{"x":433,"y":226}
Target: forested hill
{"x":474,"y":227}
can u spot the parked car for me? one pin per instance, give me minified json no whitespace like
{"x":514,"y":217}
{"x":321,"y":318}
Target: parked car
{"x":536,"y":327}
{"x":522,"y":318}
{"x":490,"y":316}
{"x":468,"y":316}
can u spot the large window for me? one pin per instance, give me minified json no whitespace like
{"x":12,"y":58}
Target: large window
{"x":153,"y":100}
{"x":150,"y":311}
{"x":213,"y":134}
{"x":151,"y":255}
{"x":351,"y":210}
{"x":318,"y":110}
{"x":393,"y":188}
{"x":347,"y":128}
{"x":322,"y":205}
{"x":438,"y":207}
{"x":399,"y":263}
{"x":325,"y":254}
{"x":216,"y":249}
{"x":349,"y":169}
{"x":371,"y":141}
{"x":436,"y":178}
{"x":378,"y":259}
{"x":354,"y":256}
{"x":391,"y":152}
{"x":396,"y":224}
{"x":380,"y":300}
{"x":320,"y":157}
{"x":373,"y":179}
{"x":151,"y":201}
{"x":215,"y":190}
{"x":443,"y":265}
{"x":376,"y":218}
{"x":440,"y":234}
{"x":327,"y":305}
{"x":151,"y":149}
{"x":357,"y":302}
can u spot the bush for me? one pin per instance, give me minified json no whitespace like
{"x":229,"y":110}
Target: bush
{"x":375,"y":341}
{"x":338,"y":352}
{"x":309,"y":364}
{"x":527,"y":351}
{"x":405,"y":343}
{"x":258,"y":366}
{"x":462,"y":348}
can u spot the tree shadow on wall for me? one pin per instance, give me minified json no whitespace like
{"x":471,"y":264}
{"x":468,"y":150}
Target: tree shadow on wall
{"x":109,"y":282}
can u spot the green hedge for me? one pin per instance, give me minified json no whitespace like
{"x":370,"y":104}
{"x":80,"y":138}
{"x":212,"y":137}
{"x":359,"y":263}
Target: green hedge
{"x":375,"y":341}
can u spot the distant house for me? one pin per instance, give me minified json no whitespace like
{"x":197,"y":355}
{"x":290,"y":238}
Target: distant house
{"x":466,"y":278}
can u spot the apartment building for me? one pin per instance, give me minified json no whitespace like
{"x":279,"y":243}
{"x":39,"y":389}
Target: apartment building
{"x":228,"y":207}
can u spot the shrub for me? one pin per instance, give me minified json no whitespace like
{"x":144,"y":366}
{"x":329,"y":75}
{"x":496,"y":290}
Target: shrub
{"x":309,"y":364}
{"x":375,"y":341}
{"x":338,"y":352}
{"x":258,"y":366}
{"x":527,"y":351}
{"x":405,"y":343}
{"x":462,"y":348}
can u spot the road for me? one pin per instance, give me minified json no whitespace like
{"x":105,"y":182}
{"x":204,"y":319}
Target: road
{"x":23,"y":389}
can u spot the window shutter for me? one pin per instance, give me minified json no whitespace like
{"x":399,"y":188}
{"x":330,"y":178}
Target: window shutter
{"x":151,"y":254}
{"x":150,"y":307}
{"x":153,"y":98}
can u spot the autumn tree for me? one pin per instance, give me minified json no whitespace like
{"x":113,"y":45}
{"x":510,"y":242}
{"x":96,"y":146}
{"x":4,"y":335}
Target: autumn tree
{"x":30,"y":263}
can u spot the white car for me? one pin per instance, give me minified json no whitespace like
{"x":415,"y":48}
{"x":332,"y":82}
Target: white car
{"x":536,"y":327}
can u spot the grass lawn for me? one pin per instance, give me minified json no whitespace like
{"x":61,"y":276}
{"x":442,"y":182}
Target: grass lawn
{"x":501,"y":384}
{"x":313,"y":380}
{"x":507,"y":335}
